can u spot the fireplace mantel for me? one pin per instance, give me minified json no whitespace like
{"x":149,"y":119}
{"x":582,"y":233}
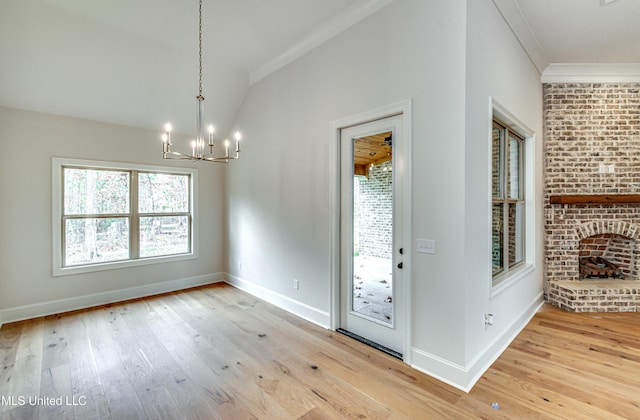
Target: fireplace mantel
{"x":595,"y":199}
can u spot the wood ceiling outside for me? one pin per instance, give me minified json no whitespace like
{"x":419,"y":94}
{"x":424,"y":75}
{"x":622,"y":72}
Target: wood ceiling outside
{"x":371,"y":150}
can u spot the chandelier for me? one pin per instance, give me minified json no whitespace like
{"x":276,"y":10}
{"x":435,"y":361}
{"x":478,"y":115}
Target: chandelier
{"x":201,"y":149}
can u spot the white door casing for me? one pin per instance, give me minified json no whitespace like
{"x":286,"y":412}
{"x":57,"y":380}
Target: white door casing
{"x":396,"y":118}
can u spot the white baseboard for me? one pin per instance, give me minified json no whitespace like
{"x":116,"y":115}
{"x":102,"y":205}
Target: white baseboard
{"x":20,"y":313}
{"x":465,"y":377}
{"x":297,"y":308}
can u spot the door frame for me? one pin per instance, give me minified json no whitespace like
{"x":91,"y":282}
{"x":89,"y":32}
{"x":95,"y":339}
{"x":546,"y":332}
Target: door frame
{"x":404,"y":109}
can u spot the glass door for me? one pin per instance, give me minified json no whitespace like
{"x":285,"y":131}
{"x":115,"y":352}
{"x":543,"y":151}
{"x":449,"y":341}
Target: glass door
{"x":371,"y":254}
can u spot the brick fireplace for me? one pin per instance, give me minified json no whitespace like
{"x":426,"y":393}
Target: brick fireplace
{"x":592,"y":193}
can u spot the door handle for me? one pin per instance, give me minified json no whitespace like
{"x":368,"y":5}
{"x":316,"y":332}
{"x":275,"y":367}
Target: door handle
{"x":400,"y":264}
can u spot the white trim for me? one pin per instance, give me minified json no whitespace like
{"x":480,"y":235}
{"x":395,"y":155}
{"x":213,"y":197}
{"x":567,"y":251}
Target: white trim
{"x":403,"y":108}
{"x":591,"y":73}
{"x":507,"y":117}
{"x":20,"y":313}
{"x":465,"y":377}
{"x":512,"y":278}
{"x":514,"y":18}
{"x":347,"y":18}
{"x":56,"y":214}
{"x":502,"y":282}
{"x":293,"y":306}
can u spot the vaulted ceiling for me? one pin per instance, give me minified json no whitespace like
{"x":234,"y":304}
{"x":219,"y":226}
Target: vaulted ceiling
{"x":134,"y":62}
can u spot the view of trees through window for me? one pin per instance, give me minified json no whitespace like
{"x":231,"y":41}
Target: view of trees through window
{"x":102,"y":223}
{"x":163,"y":202}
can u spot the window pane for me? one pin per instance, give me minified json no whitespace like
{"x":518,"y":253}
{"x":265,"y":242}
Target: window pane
{"x":163,"y":193}
{"x":91,"y":191}
{"x":497,"y":253}
{"x":164,"y":235}
{"x":514,"y":167}
{"x":96,"y":240}
{"x":516,"y":233}
{"x":496,"y":153}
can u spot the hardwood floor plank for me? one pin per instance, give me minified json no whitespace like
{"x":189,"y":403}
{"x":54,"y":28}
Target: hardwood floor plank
{"x":55,"y":351}
{"x":330,"y":391}
{"x":407,"y":398}
{"x":215,"y":352}
{"x":82,"y":365}
{"x":9,"y":340}
{"x":546,"y":401}
{"x":27,"y":369}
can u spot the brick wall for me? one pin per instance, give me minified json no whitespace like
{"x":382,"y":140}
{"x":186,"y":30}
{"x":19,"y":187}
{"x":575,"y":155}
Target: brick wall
{"x":588,"y":125}
{"x":375,"y":212}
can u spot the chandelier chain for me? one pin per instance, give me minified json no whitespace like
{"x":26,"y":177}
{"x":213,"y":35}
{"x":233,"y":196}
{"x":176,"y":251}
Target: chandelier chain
{"x":200,"y":46}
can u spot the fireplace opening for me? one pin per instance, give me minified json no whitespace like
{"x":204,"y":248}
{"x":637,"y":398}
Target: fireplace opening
{"x":607,"y":256}
{"x":598,"y":267}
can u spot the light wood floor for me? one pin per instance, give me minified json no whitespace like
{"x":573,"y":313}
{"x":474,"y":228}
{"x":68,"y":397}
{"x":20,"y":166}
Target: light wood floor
{"x":216,"y":352}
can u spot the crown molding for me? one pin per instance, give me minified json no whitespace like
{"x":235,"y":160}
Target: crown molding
{"x":513,"y":16}
{"x":591,"y":73}
{"x":342,"y":21}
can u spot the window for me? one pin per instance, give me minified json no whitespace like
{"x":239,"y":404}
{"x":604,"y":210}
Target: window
{"x":508,"y":200}
{"x":109,"y":215}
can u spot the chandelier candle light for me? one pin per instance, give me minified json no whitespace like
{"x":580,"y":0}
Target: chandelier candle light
{"x":198,"y":146}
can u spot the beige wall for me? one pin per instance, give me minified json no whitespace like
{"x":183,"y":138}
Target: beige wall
{"x":28,"y":141}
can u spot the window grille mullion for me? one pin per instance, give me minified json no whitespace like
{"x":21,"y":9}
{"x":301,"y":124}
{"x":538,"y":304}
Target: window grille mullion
{"x":507,"y":195}
{"x":134,"y":222}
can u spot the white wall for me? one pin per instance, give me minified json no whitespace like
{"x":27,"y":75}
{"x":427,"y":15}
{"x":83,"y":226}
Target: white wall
{"x":278,"y":195}
{"x":498,"y":68}
{"x":28,"y":141}
{"x":450,"y":57}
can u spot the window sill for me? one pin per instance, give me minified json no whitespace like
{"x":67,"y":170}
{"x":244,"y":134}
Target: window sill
{"x":501,"y":283}
{"x":116,"y":265}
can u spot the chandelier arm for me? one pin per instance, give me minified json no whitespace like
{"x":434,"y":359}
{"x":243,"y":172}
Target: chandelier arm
{"x":177,"y":156}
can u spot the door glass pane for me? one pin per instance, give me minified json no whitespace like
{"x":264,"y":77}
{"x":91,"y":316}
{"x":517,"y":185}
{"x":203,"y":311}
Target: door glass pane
{"x":516,"y":233}
{"x":165,"y":235}
{"x":373,"y":227}
{"x":514,"y":167}
{"x":95,"y":240}
{"x":497,"y":227}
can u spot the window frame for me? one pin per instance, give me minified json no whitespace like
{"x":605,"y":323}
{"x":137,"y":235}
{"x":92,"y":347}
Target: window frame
{"x":133,"y":215}
{"x":504,"y":198}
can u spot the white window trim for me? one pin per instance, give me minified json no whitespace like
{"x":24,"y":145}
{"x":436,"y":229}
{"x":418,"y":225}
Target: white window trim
{"x":56,"y":215}
{"x":502,"y":281}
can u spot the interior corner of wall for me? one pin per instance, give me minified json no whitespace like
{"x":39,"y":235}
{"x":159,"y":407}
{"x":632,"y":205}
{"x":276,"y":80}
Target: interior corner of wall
{"x":293,"y":306}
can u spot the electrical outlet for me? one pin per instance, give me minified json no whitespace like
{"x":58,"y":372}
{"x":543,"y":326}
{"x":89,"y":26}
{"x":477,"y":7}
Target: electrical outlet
{"x":296,"y":284}
{"x":488,"y":320}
